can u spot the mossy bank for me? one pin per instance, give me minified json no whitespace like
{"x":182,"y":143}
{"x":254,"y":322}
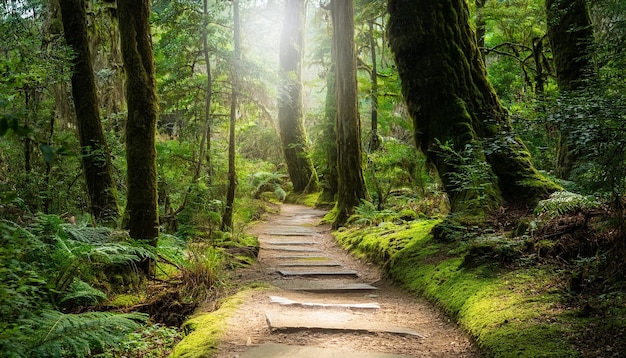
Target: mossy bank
{"x":510,"y":310}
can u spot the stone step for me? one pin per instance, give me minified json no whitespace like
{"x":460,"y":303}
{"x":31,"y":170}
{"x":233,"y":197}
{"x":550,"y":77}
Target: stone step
{"x":310,"y":264}
{"x":318,"y":272}
{"x":332,"y":320}
{"x":288,"y":230}
{"x":290,"y":248}
{"x":358,"y":306}
{"x":289,"y":242}
{"x":277,"y":350}
{"x":302,"y":258}
{"x":323,"y":286}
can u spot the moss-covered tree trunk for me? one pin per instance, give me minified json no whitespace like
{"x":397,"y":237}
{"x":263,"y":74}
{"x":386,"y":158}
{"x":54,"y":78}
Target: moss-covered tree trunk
{"x":290,"y":117}
{"x":351,"y":185}
{"x":571,"y":35}
{"x":95,"y":153}
{"x":453,"y":106}
{"x":227,"y":217}
{"x":141,"y":216}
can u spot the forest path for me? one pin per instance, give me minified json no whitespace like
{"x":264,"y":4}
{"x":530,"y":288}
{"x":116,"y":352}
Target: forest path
{"x":328,"y":304}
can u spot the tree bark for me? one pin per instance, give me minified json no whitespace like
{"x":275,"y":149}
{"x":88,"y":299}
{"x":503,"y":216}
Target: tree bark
{"x":571,"y":35}
{"x":351,"y":185}
{"x":205,"y":142}
{"x":330,"y":175}
{"x":374,"y":140}
{"x":95,"y":153}
{"x":290,"y":117}
{"x":227,"y":218}
{"x":141,"y":216}
{"x":452,"y":104}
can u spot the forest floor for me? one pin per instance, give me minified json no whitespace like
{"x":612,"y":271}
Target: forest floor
{"x":247,"y":329}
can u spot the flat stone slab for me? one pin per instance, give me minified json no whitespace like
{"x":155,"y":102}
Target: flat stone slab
{"x":288,"y":302}
{"x":317,"y":272}
{"x":290,"y":231}
{"x":310,"y":264}
{"x":290,"y":248}
{"x":276,"y":350}
{"x":332,"y":320}
{"x":290,"y":242}
{"x":323,"y":286}
{"x":303,"y":258}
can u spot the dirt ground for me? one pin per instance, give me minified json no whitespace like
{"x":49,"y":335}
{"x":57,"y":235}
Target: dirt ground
{"x":248,"y":326}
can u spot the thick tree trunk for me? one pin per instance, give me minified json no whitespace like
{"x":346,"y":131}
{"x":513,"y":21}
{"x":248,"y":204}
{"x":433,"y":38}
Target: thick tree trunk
{"x":571,"y":35}
{"x":290,"y":117}
{"x":95,"y":153}
{"x":227,"y":218}
{"x":351,"y":188}
{"x":453,"y":105}
{"x":141,"y":216}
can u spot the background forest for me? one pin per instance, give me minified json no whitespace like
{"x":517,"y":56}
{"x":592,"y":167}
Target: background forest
{"x":83,"y":264}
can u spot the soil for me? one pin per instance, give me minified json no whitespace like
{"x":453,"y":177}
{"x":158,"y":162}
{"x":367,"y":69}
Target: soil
{"x":248,"y":326}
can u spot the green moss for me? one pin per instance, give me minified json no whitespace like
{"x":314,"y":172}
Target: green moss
{"x":330,"y":216}
{"x":164,"y":271}
{"x":379,"y":243}
{"x":125,"y":300}
{"x":205,"y":330}
{"x":509,"y":313}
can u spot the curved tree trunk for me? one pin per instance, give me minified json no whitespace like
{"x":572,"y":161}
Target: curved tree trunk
{"x":141,"y":216}
{"x":95,"y":153}
{"x":290,"y":117}
{"x":453,"y":105}
{"x":571,"y":35}
{"x":351,"y":188}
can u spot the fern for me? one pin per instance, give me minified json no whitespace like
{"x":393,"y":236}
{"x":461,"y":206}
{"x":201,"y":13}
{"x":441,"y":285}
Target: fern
{"x":563,"y":202}
{"x":59,"y":334}
{"x":81,"y":293}
{"x":367,"y":214}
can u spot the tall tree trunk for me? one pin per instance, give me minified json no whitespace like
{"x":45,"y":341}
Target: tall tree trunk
{"x":453,"y":105}
{"x":329,"y":135}
{"x":205,"y":143}
{"x":351,"y":188}
{"x":227,"y":218}
{"x":290,"y":117}
{"x":374,"y":140}
{"x":95,"y":153}
{"x":141,"y":216}
{"x":571,"y":35}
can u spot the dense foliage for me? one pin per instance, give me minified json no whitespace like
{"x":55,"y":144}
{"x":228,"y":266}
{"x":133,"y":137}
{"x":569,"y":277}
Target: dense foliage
{"x":65,"y":281}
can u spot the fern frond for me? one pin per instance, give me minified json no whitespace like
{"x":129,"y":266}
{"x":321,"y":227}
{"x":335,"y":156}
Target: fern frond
{"x":58,"y":334}
{"x":562,"y":202}
{"x":81,"y":293}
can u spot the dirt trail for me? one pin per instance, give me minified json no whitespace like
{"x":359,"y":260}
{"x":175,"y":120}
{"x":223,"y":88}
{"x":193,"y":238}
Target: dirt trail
{"x":311,"y":262}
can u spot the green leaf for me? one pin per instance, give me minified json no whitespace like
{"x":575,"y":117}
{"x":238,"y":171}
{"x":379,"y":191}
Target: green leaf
{"x":49,"y":153}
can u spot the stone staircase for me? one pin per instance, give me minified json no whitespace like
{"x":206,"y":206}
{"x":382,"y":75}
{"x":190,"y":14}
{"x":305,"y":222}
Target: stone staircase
{"x":337,"y":298}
